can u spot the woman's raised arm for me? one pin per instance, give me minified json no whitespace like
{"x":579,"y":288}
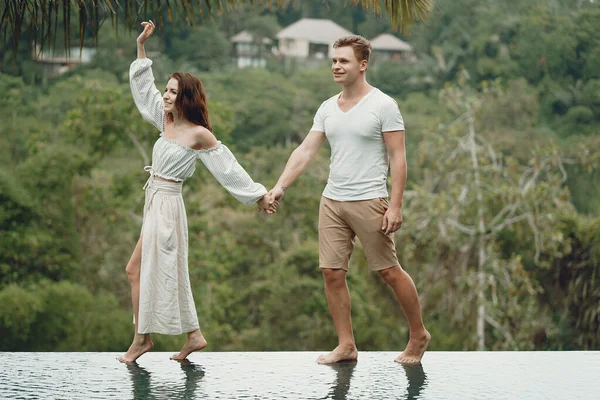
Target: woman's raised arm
{"x":147,"y":97}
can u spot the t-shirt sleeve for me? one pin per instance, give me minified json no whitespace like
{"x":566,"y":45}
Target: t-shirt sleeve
{"x":391,"y":119}
{"x":319,"y":120}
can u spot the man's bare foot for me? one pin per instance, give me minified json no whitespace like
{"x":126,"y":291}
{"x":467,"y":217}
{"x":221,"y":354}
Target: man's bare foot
{"x":340,"y":353}
{"x":414,"y":349}
{"x":195,"y":342}
{"x":137,"y":348}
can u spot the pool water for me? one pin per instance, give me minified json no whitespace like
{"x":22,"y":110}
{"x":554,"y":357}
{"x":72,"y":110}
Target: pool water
{"x":295,"y":375}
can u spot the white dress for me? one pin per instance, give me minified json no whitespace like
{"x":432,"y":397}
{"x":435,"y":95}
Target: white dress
{"x":166,"y":301}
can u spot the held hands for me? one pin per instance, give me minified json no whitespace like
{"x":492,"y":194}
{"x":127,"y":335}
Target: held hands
{"x":267,"y":204}
{"x":147,"y":32}
{"x":392,"y":220}
{"x":277,"y":193}
{"x":270,"y":201}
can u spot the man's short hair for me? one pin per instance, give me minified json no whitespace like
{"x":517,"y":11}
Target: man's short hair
{"x":360,"y":45}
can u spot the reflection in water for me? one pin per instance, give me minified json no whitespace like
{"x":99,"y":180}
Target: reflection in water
{"x":141,"y":381}
{"x":142,"y":388}
{"x":193,"y":374}
{"x":339,"y":390}
{"x":417,"y":380}
{"x":294,"y":376}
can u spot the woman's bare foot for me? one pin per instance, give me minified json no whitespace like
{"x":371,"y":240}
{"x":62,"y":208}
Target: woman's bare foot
{"x":141,"y":344}
{"x":340,"y":353}
{"x":195,"y":342}
{"x":414,"y":349}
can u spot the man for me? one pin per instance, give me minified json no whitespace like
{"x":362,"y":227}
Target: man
{"x":366,"y":134}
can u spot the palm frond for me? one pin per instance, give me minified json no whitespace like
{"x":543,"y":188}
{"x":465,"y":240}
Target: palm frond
{"x":40,"y":17}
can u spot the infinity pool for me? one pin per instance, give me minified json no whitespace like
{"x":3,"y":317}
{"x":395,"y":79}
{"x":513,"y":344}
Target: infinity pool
{"x":295,"y":375}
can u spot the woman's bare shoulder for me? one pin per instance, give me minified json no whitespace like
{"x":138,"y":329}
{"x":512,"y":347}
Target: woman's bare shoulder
{"x":203,"y":138}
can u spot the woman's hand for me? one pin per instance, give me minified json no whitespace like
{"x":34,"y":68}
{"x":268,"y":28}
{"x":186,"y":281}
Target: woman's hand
{"x":267,"y":204}
{"x":147,"y":32}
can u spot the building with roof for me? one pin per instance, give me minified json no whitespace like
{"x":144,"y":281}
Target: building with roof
{"x":248,"y":52}
{"x":310,"y":42}
{"x":310,"y":38}
{"x":389,"y":47}
{"x":55,"y":62}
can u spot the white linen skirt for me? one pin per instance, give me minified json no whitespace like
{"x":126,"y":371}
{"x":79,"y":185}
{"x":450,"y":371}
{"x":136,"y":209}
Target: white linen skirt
{"x":166,"y":301}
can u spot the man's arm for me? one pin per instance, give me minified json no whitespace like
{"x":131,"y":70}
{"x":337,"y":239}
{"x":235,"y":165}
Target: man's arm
{"x":394,"y":142}
{"x":298,"y":161}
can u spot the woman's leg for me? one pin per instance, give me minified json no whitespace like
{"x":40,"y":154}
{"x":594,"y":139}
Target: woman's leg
{"x":195,"y":342}
{"x":141,"y":343}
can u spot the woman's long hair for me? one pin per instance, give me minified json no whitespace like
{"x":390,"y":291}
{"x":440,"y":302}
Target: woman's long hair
{"x":190,"y":103}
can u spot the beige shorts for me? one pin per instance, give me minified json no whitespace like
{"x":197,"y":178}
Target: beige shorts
{"x":341,"y":221}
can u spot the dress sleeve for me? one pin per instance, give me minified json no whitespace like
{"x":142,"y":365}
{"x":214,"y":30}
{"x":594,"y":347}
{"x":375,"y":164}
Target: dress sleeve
{"x":221,"y":162}
{"x":145,"y":94}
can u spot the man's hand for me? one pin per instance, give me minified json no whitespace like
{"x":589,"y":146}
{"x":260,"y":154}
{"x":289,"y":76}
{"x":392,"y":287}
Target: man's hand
{"x":267,"y":204}
{"x":392,"y":220}
{"x":277,"y":193}
{"x":270,"y":201}
{"x":147,"y":32}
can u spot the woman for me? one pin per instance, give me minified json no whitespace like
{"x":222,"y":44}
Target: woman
{"x":158,"y":271}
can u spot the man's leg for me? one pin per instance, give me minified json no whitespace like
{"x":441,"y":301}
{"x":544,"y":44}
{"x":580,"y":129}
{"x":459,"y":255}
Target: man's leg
{"x":406,"y":293}
{"x":338,"y":299}
{"x":380,"y":251}
{"x":336,"y":241}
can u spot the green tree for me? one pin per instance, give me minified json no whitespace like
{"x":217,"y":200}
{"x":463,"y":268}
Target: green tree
{"x":474,"y":196}
{"x":572,"y":291}
{"x":280,"y":114}
{"x":38,"y":232}
{"x":206,"y":48}
{"x":61,"y":317}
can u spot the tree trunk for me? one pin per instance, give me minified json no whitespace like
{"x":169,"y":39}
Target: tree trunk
{"x":480,"y":236}
{"x":481,"y":296}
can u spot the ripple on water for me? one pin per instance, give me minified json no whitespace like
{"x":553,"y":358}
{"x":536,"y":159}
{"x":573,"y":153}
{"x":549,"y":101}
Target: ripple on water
{"x":295,"y":375}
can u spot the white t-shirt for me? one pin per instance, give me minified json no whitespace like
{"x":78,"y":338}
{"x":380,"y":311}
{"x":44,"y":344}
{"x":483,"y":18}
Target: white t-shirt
{"x":359,"y":159}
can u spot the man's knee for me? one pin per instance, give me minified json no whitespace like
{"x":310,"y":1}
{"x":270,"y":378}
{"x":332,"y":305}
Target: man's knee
{"x":334,"y":276}
{"x":391,"y":275}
